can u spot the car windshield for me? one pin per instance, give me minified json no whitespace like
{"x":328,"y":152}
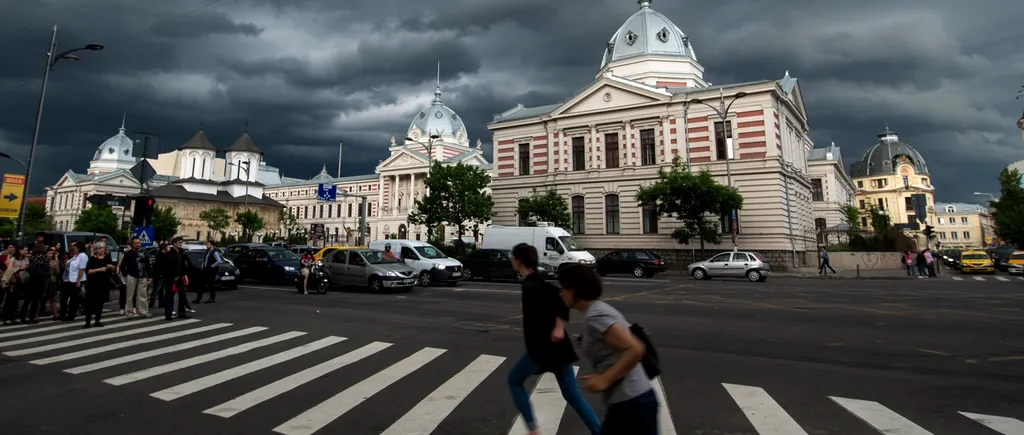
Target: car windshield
{"x":282,"y":255}
{"x":569,"y":243}
{"x":975,"y":257}
{"x":430,"y":252}
{"x":1017,"y":257}
{"x":195,"y":257}
{"x":377,"y":257}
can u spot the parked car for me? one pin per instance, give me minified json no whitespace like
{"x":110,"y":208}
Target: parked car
{"x":555,"y":246}
{"x":1016,"y":264}
{"x":227,"y":273}
{"x":732,"y":265}
{"x":273,"y":265}
{"x":368,"y":268}
{"x":639,"y":263}
{"x":329,"y":249}
{"x":431,"y":265}
{"x":233,"y":251}
{"x":301,"y":249}
{"x":490,"y":264}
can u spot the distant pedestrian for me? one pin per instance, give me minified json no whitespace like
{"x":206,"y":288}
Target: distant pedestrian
{"x":101,"y":270}
{"x":208,"y":274}
{"x":908,"y":262}
{"x":922,"y":264}
{"x":930,"y":261}
{"x":39,"y":270}
{"x":614,"y":354}
{"x":825,"y":263}
{"x":135,"y":267}
{"x":547,"y":349}
{"x":175,"y":280}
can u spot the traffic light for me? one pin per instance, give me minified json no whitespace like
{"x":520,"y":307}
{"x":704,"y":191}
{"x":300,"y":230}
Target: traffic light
{"x":143,"y":213}
{"x":928,"y":231}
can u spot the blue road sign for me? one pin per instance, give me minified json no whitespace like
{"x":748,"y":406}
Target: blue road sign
{"x":329,"y":194}
{"x":145,"y":234}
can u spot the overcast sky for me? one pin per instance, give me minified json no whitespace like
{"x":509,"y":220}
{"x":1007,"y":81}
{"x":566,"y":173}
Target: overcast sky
{"x":308,"y":73}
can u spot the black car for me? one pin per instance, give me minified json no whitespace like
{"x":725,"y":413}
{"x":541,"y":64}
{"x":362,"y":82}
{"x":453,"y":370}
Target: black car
{"x":490,"y":264}
{"x":233,"y":251}
{"x":638,"y":263}
{"x":227,"y":273}
{"x":274,"y":265}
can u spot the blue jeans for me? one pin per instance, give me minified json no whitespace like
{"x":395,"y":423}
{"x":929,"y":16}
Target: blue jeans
{"x":525,"y":368}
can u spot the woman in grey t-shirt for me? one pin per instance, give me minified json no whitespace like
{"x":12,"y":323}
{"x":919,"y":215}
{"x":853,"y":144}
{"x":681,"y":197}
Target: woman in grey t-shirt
{"x":614,"y":354}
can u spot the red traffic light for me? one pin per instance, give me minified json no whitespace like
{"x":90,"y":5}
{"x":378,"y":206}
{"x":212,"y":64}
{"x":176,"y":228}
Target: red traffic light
{"x":149,"y":202}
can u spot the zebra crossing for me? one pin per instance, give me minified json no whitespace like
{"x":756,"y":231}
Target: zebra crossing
{"x":986,"y":278}
{"x":110,"y":352}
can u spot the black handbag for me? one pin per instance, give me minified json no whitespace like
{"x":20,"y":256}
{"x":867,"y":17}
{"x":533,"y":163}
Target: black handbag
{"x":650,"y":360}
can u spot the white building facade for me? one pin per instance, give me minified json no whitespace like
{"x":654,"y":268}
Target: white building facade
{"x":644,"y":108}
{"x":831,"y":187}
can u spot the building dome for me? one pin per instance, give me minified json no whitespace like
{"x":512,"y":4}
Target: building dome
{"x":885,"y":157}
{"x":116,"y":149}
{"x":440,"y":120}
{"x":647,"y":33}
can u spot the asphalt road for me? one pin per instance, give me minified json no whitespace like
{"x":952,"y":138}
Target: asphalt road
{"x":784,"y":357}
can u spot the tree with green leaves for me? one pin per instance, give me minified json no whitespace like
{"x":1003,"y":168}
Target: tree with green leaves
{"x":1008,"y":214}
{"x":456,"y":196}
{"x":97,"y":219}
{"x":36,"y":220}
{"x":851,"y":216}
{"x":549,"y":207}
{"x":165,"y":223}
{"x":693,"y":199}
{"x":216,"y":219}
{"x":880,"y":221}
{"x":250,"y":221}
{"x":290,"y":223}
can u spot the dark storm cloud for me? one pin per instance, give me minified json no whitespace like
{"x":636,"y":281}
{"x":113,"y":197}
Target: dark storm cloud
{"x":308,"y":73}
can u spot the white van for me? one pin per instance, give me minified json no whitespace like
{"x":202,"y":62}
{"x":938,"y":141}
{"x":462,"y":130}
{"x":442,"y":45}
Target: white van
{"x":432,"y":266}
{"x":555,"y":245}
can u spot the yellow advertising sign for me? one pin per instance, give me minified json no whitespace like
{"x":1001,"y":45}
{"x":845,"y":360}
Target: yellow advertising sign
{"x":11,"y":195}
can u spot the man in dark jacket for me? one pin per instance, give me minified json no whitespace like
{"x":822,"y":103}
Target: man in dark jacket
{"x":158,"y":280}
{"x":175,"y":275}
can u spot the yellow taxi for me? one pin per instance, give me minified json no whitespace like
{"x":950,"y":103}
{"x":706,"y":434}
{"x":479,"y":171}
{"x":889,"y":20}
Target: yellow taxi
{"x":1015,"y":265}
{"x":976,"y":261}
{"x":319,"y":255}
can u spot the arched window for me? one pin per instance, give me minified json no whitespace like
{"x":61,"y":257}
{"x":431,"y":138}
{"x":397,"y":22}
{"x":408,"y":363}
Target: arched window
{"x":611,"y":214}
{"x":950,"y":209}
{"x":579,"y":212}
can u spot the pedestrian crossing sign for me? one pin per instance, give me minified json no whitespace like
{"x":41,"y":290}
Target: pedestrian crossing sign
{"x":145,"y":234}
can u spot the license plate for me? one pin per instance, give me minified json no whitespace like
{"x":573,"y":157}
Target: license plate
{"x":456,"y":273}
{"x":227,"y":278}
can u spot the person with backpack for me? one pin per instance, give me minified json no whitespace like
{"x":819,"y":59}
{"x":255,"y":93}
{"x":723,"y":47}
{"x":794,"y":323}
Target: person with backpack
{"x":39,"y":271}
{"x":615,"y":354}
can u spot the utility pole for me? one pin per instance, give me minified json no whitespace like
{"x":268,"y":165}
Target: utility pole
{"x":340,"y":143}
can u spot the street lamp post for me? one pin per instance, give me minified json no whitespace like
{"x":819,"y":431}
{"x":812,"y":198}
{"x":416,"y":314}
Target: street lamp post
{"x":723,"y":113}
{"x":244,"y":167}
{"x":51,"y":59}
{"x":430,"y":162}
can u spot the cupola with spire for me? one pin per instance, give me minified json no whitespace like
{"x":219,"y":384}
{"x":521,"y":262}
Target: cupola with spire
{"x":651,"y":49}
{"x":437,"y":119}
{"x":114,"y":153}
{"x":197,"y":157}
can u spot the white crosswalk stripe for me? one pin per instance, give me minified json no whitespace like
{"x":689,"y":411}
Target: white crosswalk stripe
{"x":957,"y":278}
{"x":978,"y":278}
{"x":451,"y":395}
{"x":40,"y":329}
{"x":79,"y":331}
{"x":1002,"y":278}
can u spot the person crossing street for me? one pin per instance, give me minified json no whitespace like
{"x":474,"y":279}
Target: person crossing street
{"x":208,"y":274}
{"x":175,"y":280}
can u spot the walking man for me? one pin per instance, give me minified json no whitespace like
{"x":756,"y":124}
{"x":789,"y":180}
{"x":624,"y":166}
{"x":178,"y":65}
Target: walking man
{"x":825,"y":263}
{"x":175,"y":280}
{"x":208,"y":273}
{"x":137,"y":272}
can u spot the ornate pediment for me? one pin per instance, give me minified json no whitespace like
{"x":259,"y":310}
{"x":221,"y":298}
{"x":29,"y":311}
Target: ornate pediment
{"x":610,"y":93}
{"x":402,"y":158}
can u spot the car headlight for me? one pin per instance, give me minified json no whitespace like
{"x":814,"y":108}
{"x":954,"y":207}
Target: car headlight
{"x":438,"y":266}
{"x":390,"y":273}
{"x":289,"y":269}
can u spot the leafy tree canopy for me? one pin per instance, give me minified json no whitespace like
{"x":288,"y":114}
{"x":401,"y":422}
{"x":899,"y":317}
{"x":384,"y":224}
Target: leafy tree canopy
{"x":1008,"y":213}
{"x":549,"y":207}
{"x":36,"y":220}
{"x":851,"y":216}
{"x":880,"y":222}
{"x":250,"y":221}
{"x":217,"y":219}
{"x":456,"y":196}
{"x":165,"y":223}
{"x":98,"y":219}
{"x":691,"y":198}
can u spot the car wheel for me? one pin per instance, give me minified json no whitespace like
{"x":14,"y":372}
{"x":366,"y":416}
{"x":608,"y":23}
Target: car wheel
{"x":425,"y":279}
{"x":467,"y":274}
{"x":639,"y":272}
{"x":699,"y":274}
{"x":375,"y":285}
{"x":754,"y":275}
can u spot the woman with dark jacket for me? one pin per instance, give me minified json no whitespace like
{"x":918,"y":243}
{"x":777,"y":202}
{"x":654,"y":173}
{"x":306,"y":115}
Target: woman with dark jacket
{"x":39,"y":272}
{"x":548,"y":350}
{"x":101,"y":270}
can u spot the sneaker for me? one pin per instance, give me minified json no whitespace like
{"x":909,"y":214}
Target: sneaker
{"x":120,"y":312}
{"x":131,"y":315}
{"x":174,"y":313}
{"x":190,"y":310}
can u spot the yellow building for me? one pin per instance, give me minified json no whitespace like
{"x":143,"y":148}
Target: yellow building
{"x":888,"y":175}
{"x":959,"y":225}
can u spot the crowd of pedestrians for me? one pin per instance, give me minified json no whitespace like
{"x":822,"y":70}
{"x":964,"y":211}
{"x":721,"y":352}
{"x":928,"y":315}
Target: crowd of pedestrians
{"x":923,"y":263}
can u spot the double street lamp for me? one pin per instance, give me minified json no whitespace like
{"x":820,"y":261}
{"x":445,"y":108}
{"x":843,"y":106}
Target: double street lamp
{"x":723,"y":113}
{"x":244,"y":166}
{"x":52,"y":57}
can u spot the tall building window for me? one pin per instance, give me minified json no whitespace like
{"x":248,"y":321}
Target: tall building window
{"x":649,"y":215}
{"x":881,"y":203}
{"x":906,"y":181}
{"x":305,"y":212}
{"x":908,"y":202}
{"x":647,"y":146}
{"x":321,"y":211}
{"x":579,"y":154}
{"x":578,"y":214}
{"x":524,"y":159}
{"x":350,"y":210}
{"x":817,"y":192}
{"x":728,"y":223}
{"x":820,"y":224}
{"x":862,"y":205}
{"x":611,"y":214}
{"x":723,"y":132}
{"x":361,"y":209}
{"x":864,"y":222}
{"x":611,"y":150}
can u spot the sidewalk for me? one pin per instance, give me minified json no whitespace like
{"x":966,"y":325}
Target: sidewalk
{"x":812,"y":273}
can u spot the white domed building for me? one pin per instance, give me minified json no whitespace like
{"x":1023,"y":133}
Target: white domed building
{"x":649,"y":103}
{"x":436,"y":133}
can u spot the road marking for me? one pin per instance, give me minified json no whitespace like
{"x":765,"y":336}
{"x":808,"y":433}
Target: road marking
{"x":978,"y":278}
{"x":167,"y":368}
{"x":1006,"y":358}
{"x":428,"y":414}
{"x":267,"y":392}
{"x":161,"y":351}
{"x":957,"y":278}
{"x":65,"y":344}
{"x":1002,"y":278}
{"x":879,"y":417}
{"x":182,"y":390}
{"x":764,"y":413}
{"x":1003,"y":425}
{"x":548,"y":406}
{"x":323,"y":414}
{"x":63,"y":325}
{"x":935,"y":352}
{"x":73,"y":333}
{"x":486,"y":290}
{"x":665,"y":425}
{"x":124,"y":344}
